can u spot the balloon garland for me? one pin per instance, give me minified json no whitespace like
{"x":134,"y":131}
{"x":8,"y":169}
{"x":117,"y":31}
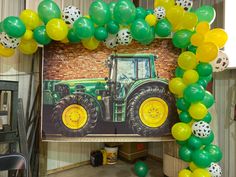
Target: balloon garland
{"x":118,"y":23}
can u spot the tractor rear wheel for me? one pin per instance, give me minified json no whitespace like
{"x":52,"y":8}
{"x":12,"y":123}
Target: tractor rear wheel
{"x":75,"y":115}
{"x":151,"y":111}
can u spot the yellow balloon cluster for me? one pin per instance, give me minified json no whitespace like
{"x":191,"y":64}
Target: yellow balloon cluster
{"x":167,"y":4}
{"x":90,"y":44}
{"x":28,"y":47}
{"x":196,"y":173}
{"x":30,"y":19}
{"x":57,"y":29}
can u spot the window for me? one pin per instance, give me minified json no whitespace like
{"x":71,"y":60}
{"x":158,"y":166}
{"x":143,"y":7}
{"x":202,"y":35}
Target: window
{"x":143,"y":68}
{"x":230,"y":27}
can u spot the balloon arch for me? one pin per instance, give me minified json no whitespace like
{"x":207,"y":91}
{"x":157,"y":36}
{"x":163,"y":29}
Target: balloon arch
{"x":118,"y":23}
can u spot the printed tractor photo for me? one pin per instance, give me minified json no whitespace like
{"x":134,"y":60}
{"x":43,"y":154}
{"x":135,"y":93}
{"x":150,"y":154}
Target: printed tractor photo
{"x":132,"y":93}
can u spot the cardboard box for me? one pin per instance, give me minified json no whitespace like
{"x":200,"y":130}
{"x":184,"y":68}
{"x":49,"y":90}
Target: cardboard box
{"x":133,"y":151}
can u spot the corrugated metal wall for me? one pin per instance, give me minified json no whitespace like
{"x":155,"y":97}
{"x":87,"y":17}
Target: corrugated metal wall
{"x":225,"y":95}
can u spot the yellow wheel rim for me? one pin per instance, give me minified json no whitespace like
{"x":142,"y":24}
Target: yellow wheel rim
{"x":74,"y":116}
{"x":153,"y":112}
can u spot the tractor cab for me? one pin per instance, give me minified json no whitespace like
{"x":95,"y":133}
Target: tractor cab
{"x":125,"y":70}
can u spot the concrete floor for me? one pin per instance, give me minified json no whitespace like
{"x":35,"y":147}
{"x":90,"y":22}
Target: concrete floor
{"x":120,"y":169}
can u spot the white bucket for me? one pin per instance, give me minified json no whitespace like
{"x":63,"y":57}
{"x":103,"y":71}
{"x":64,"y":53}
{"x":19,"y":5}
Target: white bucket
{"x":111,"y":154}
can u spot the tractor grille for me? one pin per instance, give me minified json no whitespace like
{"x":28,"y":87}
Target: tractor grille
{"x":62,"y":90}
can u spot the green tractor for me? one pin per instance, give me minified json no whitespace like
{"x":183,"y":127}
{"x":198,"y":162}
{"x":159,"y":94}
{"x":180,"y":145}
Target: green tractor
{"x":132,"y":93}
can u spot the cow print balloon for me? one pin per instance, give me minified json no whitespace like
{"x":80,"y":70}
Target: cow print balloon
{"x":215,"y":170}
{"x":111,"y":41}
{"x":186,"y":4}
{"x":70,"y":14}
{"x":221,"y":62}
{"x":8,"y":41}
{"x":201,"y":129}
{"x":160,"y":12}
{"x":124,"y":37}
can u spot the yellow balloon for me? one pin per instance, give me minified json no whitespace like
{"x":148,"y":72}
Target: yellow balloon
{"x":30,"y":19}
{"x":167,"y":4}
{"x":151,"y":19}
{"x":197,"y":39}
{"x":28,"y":35}
{"x":190,"y":76}
{"x":192,"y":166}
{"x":57,"y":29}
{"x":181,"y":131}
{"x":203,"y":28}
{"x":175,"y":15}
{"x":177,"y":86}
{"x":201,"y":173}
{"x":6,"y":52}
{"x":187,"y":60}
{"x":185,"y":173}
{"x":91,"y":43}
{"x":217,"y":36}
{"x":28,"y":47}
{"x":65,"y":41}
{"x":189,"y":20}
{"x":207,"y":52}
{"x":198,"y":111}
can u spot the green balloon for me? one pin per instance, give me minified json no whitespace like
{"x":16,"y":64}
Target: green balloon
{"x":182,"y":104}
{"x":140,"y":13}
{"x":111,"y":8}
{"x":100,"y":33}
{"x":1,"y":28}
{"x":208,"y":99}
{"x":185,"y":117}
{"x":149,"y":11}
{"x":179,"y":72}
{"x":84,"y":28}
{"x":48,"y":10}
{"x":13,"y":26}
{"x":124,"y":12}
{"x":41,"y":36}
{"x":206,"y":13}
{"x":203,"y":83}
{"x":181,"y":142}
{"x":149,"y":37}
{"x":72,"y":37}
{"x":194,"y":93}
{"x":192,"y":48}
{"x":215,"y":153}
{"x":99,"y":12}
{"x":204,"y":69}
{"x":201,"y":158}
{"x":207,"y":118}
{"x":185,"y":153}
{"x":113,"y":27}
{"x":141,"y":169}
{"x":140,"y":30}
{"x":207,"y":78}
{"x":181,"y":38}
{"x":208,"y":140}
{"x":163,"y":28}
{"x":194,"y":142}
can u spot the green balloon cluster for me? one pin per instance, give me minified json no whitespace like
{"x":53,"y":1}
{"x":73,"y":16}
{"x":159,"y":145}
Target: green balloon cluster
{"x":206,"y":13}
{"x":72,"y":37}
{"x":163,"y":28}
{"x":41,"y":36}
{"x":84,"y":28}
{"x":181,"y":38}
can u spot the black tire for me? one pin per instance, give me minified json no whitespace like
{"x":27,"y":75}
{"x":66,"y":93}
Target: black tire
{"x":87,"y":103}
{"x":159,"y":90}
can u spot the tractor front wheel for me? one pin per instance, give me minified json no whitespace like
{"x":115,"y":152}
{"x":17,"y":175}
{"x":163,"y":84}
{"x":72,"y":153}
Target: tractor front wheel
{"x":75,"y":115}
{"x":151,"y":111}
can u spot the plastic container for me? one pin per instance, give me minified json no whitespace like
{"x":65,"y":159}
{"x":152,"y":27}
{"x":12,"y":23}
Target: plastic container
{"x":111,"y":154}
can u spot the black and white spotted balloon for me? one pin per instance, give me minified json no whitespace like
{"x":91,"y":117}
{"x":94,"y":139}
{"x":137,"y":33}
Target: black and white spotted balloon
{"x":201,"y":129}
{"x":70,"y":14}
{"x":160,"y":12}
{"x":111,"y":41}
{"x":220,"y":63}
{"x":124,"y":37}
{"x":215,"y":170}
{"x":9,"y":42}
{"x":186,"y":4}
